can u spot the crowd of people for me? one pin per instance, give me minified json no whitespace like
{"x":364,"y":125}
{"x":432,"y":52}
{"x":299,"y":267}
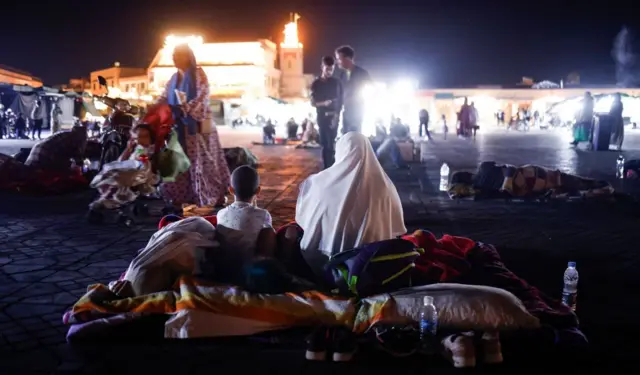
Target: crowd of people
{"x":28,"y":125}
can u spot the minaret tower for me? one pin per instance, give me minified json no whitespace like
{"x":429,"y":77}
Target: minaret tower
{"x":292,"y":81}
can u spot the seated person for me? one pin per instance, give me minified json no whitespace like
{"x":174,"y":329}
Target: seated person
{"x":122,"y":181}
{"x":292,"y":129}
{"x":310,"y":137}
{"x":142,"y":144}
{"x":56,"y":152}
{"x":244,"y":230}
{"x":347,"y":205}
{"x":268,"y":133}
{"x":389,"y":147}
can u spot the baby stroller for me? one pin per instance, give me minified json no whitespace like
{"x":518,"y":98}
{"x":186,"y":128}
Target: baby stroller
{"x":125,"y":186}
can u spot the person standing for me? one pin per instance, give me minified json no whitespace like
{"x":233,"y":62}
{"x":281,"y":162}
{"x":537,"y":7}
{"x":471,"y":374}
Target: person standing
{"x":56,"y":118}
{"x":36,"y":118}
{"x":584,"y":121}
{"x":207,"y":180}
{"x":617,"y":121}
{"x":424,"y":122}
{"x":354,"y":80}
{"x":327,"y":97}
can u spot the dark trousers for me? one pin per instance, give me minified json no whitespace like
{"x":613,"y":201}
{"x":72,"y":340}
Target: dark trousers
{"x":425,"y":123}
{"x":351,"y":123}
{"x":328,"y":130}
{"x":36,"y":127}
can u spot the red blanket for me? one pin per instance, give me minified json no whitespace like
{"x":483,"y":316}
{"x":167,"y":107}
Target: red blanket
{"x":16,"y":176}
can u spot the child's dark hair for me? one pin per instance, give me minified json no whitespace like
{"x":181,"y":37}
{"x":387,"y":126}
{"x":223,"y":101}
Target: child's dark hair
{"x":245,"y":182}
{"x":146,"y":127}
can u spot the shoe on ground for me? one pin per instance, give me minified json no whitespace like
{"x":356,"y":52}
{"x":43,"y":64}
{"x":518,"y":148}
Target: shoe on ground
{"x":343,"y":344}
{"x":459,"y":350}
{"x":491,"y":348}
{"x":317,"y":343}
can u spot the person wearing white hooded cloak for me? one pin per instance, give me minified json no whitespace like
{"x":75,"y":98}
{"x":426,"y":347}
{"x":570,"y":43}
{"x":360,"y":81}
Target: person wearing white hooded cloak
{"x":348,"y":205}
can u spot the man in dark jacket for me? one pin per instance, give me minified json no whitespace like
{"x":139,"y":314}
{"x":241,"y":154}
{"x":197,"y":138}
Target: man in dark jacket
{"x":354,"y":80}
{"x":424,"y":122}
{"x":327,"y":96}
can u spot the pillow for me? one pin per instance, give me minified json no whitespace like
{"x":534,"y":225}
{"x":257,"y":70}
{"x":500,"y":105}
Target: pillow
{"x":460,"y":307}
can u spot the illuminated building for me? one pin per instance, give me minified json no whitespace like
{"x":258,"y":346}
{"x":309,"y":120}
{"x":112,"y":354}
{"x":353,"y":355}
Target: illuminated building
{"x":247,"y":70}
{"x":234,"y":70}
{"x":118,"y":78}
{"x":17,"y":77}
{"x":491,"y":99}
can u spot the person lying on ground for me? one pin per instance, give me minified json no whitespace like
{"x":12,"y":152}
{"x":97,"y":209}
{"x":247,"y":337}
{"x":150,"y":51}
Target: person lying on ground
{"x":347,"y":205}
{"x":244,"y":230}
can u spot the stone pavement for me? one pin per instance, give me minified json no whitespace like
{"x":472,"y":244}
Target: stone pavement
{"x":48,"y":255}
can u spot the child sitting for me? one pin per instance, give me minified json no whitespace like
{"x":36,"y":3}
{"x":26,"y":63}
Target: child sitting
{"x":141,"y":146}
{"x":244,"y":229}
{"x":122,"y":181}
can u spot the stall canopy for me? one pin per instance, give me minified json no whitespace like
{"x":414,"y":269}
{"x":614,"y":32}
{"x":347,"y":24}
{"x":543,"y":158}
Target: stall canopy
{"x":90,"y":107}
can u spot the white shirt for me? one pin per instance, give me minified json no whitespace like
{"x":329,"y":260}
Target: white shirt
{"x":239,"y":225}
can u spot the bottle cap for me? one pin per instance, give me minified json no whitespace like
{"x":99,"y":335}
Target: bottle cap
{"x":572,"y":264}
{"x":427,"y":300}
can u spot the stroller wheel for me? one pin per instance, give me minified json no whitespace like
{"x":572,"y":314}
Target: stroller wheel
{"x":95,"y":217}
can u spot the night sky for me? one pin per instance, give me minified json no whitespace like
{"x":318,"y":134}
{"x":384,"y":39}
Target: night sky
{"x":441,"y":43}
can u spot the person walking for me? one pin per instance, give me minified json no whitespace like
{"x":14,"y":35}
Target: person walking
{"x":424,"y":122}
{"x":354,"y":80}
{"x":326,"y":97}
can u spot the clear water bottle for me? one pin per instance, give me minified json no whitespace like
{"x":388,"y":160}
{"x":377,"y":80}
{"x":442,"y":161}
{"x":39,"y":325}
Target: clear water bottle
{"x":444,"y":177}
{"x":570,"y":290}
{"x":428,"y":325}
{"x":444,"y":171}
{"x":620,"y":166}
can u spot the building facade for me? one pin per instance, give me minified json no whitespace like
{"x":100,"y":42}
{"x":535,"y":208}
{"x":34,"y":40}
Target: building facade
{"x":490,"y":100}
{"x":234,"y":70}
{"x":16,"y":77}
{"x":116,"y":76}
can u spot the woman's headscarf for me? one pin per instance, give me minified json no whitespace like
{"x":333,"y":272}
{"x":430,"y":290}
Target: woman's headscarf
{"x":188,"y":85}
{"x":349,"y":204}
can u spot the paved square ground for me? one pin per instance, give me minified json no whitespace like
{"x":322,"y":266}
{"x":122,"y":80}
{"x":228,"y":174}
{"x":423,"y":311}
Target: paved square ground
{"x":48,"y":255}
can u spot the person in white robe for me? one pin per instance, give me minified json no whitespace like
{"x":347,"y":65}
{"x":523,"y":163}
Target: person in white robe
{"x":348,"y":205}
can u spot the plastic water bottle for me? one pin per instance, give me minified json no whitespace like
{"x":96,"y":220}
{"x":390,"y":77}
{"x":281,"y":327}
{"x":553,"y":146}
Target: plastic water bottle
{"x":444,"y":177}
{"x":428,"y":325}
{"x":444,"y":171}
{"x":620,"y":166}
{"x":570,"y":290}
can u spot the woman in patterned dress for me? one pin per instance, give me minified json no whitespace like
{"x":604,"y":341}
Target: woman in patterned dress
{"x":207,"y":180}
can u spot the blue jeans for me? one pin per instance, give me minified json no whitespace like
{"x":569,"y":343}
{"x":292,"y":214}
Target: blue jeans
{"x":390,"y":148}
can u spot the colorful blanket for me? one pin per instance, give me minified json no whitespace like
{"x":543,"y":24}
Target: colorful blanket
{"x":527,"y":181}
{"x":226,"y":310}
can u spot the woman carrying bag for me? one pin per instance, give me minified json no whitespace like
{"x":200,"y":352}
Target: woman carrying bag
{"x":206,"y":181}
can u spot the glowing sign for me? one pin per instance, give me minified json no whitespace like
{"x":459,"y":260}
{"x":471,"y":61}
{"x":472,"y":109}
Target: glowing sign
{"x":291,"y":34}
{"x":193,"y":41}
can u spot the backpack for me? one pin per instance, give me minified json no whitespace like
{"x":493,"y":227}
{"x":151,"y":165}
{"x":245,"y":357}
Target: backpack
{"x":374,"y":268}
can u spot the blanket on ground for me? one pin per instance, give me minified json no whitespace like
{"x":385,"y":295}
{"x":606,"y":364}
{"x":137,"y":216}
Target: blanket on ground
{"x":528,"y":181}
{"x":16,"y":176}
{"x":448,"y":259}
